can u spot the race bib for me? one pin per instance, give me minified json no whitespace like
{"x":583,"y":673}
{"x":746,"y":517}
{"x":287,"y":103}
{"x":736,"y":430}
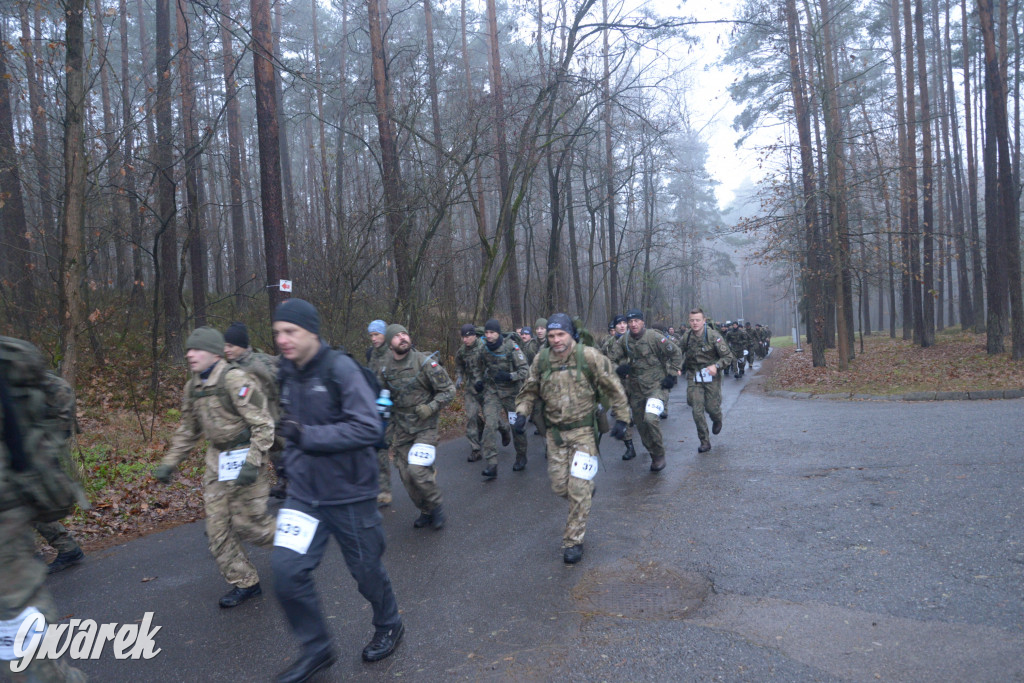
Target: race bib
{"x":655,"y":406}
{"x":584,"y":466}
{"x":422,"y":454}
{"x":230,"y":464}
{"x":9,"y":630}
{"x":511,"y":417}
{"x":703,"y":376}
{"x":295,"y":530}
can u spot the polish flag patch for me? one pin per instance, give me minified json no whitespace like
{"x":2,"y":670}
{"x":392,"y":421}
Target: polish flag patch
{"x":243,"y":392}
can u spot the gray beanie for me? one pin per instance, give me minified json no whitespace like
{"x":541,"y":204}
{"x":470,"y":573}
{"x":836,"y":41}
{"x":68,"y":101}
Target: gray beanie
{"x":206,"y":339}
{"x":392,"y":330}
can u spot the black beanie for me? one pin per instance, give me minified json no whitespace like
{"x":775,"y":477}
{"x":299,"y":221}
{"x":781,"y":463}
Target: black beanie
{"x":237,"y":335}
{"x":298,"y":312}
{"x":468,"y":329}
{"x":561,"y":321}
{"x":492,"y":325}
{"x":634,"y":314}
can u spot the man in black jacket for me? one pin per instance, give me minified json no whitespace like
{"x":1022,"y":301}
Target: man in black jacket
{"x":330,"y":424}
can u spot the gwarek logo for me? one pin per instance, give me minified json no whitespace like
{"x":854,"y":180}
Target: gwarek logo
{"x":28,"y":637}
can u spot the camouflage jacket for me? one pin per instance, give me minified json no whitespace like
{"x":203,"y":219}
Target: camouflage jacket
{"x":700,"y":351}
{"x":415,"y":380}
{"x":230,"y":410}
{"x":508,"y":358}
{"x":651,"y":358}
{"x":469,"y":364}
{"x":737,"y":340}
{"x":376,"y":356}
{"x":568,"y":393}
{"x":607,"y":343}
{"x":263,"y":368}
{"x":532,"y":348}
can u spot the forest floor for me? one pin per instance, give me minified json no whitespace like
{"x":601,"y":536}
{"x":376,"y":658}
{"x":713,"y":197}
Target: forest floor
{"x":885,"y":366}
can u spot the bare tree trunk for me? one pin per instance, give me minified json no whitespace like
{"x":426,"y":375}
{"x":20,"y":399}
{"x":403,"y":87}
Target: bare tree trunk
{"x":197,"y":243}
{"x":73,"y":216}
{"x":978,"y":291}
{"x":395,"y":212}
{"x":274,"y":237}
{"x":813,"y":294}
{"x":613,"y":255}
{"x":128,"y":167}
{"x":167,"y":233}
{"x":40,"y":136}
{"x":1001,"y":213}
{"x":928,"y":215}
{"x":13,"y":238}
{"x":506,"y":227}
{"x":240,"y":261}
{"x":282,"y":126}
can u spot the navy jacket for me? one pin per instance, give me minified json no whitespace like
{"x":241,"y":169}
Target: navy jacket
{"x":334,"y":462}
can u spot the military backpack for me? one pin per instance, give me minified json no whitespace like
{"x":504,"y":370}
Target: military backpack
{"x":38,"y":421}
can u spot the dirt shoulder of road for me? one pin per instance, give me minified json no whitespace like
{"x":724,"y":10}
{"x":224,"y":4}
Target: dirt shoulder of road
{"x":885,"y":367}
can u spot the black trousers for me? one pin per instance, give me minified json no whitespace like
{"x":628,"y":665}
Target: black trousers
{"x":357,"y":528}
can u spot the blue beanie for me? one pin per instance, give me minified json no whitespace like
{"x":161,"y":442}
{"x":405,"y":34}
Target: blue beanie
{"x":377,"y":327}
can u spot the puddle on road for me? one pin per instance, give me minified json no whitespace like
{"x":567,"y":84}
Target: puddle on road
{"x":641,"y":590}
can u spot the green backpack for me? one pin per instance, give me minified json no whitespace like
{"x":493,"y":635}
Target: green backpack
{"x":38,"y":421}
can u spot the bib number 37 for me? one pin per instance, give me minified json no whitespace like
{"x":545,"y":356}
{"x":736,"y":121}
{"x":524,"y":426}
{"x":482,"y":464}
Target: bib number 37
{"x":584,"y":466}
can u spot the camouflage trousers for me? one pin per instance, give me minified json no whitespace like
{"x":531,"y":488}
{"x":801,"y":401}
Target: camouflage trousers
{"x":648,"y":424}
{"x":496,"y":410}
{"x":420,"y":482}
{"x":22,"y":586}
{"x":384,"y":465}
{"x":705,"y":397}
{"x":233,"y":514}
{"x":57,"y":536}
{"x":474,"y":407}
{"x":578,"y":491}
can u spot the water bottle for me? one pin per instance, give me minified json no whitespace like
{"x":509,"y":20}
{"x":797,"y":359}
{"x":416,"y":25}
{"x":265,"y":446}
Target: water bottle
{"x":384,"y":404}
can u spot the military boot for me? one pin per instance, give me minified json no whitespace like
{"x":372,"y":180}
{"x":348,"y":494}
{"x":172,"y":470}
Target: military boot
{"x":657,"y":463}
{"x":573,"y":554}
{"x":65,"y":560}
{"x":236,"y":596}
{"x":704,"y":447}
{"x":506,"y":436}
{"x":630,"y":452}
{"x":519,"y":465}
{"x":423,"y":520}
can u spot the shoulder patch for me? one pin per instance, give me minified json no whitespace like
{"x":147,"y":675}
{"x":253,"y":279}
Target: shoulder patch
{"x":243,"y":392}
{"x":433,"y":363}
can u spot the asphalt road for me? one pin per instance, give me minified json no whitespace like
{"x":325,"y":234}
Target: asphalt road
{"x":817,"y":541}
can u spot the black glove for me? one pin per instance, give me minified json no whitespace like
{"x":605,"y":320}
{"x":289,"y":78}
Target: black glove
{"x":619,"y":430}
{"x":519,"y":426}
{"x":502,"y":376}
{"x":479,"y":386}
{"x":290,"y":430}
{"x":623,"y":370}
{"x":247,"y":475}
{"x":668,"y":382}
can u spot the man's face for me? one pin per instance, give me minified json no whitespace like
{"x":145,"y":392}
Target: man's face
{"x":469,"y":339}
{"x":636,"y":325}
{"x":559,"y":341}
{"x":697,"y":323}
{"x":491,"y":336}
{"x":295,"y":343}
{"x":377,"y":339}
{"x":671,"y":330}
{"x":540,"y":332}
{"x":621,"y":327}
{"x":199,"y":360}
{"x":232,"y":352}
{"x":401,"y":343}
{"x":526,"y":335}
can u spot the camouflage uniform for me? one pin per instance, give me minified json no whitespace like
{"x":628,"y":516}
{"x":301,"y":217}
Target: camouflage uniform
{"x":376,"y":356}
{"x":468,"y":365}
{"x":651,"y":358}
{"x":610,"y":348}
{"x":530,"y":350}
{"x":233,"y":513}
{"x":415,"y":380}
{"x":500,"y":397}
{"x":700,"y":351}
{"x":56,"y":536}
{"x":738,"y":340}
{"x":569,"y":402}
